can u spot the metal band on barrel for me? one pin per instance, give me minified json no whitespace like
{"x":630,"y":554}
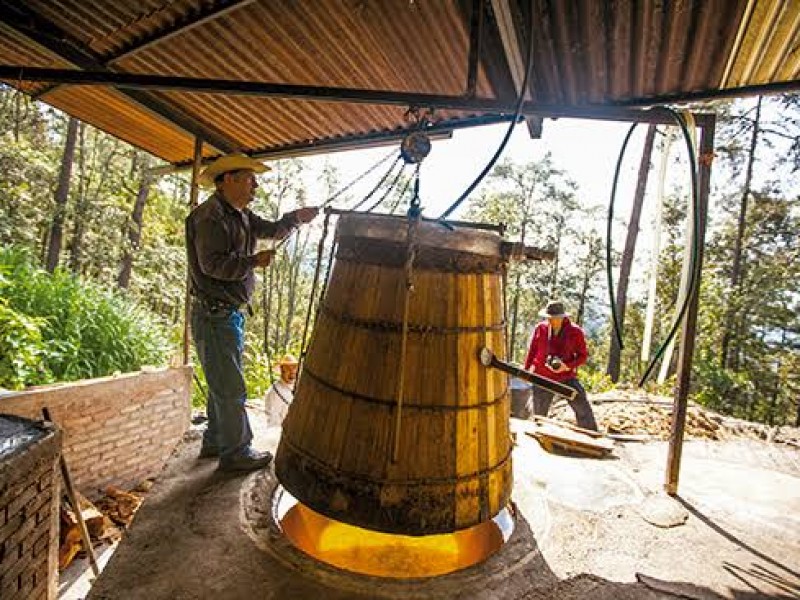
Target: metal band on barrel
{"x":395,"y":327}
{"x":392,"y":403}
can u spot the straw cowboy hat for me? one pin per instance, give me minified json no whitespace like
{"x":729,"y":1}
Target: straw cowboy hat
{"x":287,"y":361}
{"x":554,"y":309}
{"x":229,"y":162}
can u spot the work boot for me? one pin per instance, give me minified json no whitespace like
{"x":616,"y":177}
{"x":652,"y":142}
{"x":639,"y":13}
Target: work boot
{"x":247,"y":460}
{"x":208,"y":452}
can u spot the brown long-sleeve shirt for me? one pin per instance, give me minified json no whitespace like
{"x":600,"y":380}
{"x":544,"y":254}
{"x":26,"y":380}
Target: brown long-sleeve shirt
{"x":221,"y":241}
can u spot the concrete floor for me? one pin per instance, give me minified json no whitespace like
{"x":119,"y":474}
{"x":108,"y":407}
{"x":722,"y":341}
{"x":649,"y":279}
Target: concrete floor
{"x":581,"y":532}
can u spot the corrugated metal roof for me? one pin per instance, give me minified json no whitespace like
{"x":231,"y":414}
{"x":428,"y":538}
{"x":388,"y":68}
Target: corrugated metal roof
{"x":587,"y":52}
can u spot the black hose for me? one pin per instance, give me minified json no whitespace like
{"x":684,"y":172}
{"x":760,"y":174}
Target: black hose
{"x":517,"y":115}
{"x":694,"y":274}
{"x":617,"y":326}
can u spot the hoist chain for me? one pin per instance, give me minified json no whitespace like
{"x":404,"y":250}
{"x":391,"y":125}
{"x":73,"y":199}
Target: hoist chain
{"x":411,"y":252}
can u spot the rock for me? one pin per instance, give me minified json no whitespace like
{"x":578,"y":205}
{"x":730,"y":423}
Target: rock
{"x":662,"y":511}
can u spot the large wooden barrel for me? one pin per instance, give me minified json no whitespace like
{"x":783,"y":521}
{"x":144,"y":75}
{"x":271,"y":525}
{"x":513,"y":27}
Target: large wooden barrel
{"x":453,"y":467}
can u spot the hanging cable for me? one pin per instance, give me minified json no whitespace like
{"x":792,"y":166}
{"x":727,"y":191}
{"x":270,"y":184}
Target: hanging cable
{"x":389,"y":189}
{"x":358,"y":178}
{"x":314,"y":284}
{"x":348,"y":186}
{"x":386,"y":175}
{"x":400,"y":196}
{"x":609,"y":226}
{"x":517,"y":115}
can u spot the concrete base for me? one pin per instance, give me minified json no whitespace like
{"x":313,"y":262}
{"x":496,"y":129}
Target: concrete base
{"x":579,"y":534}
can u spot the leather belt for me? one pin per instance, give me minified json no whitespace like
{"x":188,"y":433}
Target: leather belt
{"x":218,"y":305}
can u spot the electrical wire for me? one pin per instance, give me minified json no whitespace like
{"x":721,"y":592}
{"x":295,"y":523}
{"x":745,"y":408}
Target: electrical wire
{"x":517,"y":115}
{"x":617,"y":326}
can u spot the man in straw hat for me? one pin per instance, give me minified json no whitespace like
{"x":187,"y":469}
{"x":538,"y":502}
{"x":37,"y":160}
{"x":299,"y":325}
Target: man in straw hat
{"x":221,"y":238}
{"x":280,"y":394}
{"x":557,"y":349}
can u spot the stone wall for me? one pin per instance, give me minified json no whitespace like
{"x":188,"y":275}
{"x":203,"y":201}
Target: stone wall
{"x":117,"y":430}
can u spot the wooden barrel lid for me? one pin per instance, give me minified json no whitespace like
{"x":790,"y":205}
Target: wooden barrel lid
{"x":383,"y":240}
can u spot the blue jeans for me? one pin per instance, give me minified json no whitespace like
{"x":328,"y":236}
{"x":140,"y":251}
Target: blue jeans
{"x":219,"y":340}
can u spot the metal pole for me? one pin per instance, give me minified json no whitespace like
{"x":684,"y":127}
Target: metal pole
{"x":234,"y":87}
{"x":690,"y":323}
{"x":193,"y":195}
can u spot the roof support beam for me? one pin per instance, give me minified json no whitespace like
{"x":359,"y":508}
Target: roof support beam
{"x":57,"y":42}
{"x":515,"y":55}
{"x":331,"y":94}
{"x":437,"y":131}
{"x":187,"y":22}
{"x":475,"y":45}
{"x":511,"y":45}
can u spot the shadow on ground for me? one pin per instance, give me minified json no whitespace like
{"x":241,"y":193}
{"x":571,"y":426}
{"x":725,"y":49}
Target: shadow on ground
{"x":188,"y":542}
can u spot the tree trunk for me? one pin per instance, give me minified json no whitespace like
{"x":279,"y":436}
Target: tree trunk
{"x":291,"y":296}
{"x":554,"y":276}
{"x":61,"y":197}
{"x":588,"y":273}
{"x":278,"y":315}
{"x":17,"y":118}
{"x":514,"y":316}
{"x":76,"y":245}
{"x":517,"y":280}
{"x":615,"y":351}
{"x":266,"y":299}
{"x":135,"y":225}
{"x":738,"y":261}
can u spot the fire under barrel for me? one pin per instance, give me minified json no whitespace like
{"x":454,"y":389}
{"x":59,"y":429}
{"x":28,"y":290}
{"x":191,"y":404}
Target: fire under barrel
{"x":449,"y":466}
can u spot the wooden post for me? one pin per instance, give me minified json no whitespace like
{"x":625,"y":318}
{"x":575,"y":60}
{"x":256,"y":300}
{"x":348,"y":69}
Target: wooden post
{"x":193,"y":195}
{"x":689,"y":330}
{"x":76,"y":506}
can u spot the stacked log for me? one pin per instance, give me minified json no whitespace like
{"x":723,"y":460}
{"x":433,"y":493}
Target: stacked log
{"x":105,"y":519}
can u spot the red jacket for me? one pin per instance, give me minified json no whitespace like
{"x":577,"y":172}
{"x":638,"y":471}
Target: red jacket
{"x":569,"y":345}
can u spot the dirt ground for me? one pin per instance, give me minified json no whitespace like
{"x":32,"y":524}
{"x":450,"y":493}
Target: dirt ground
{"x":583,"y":532}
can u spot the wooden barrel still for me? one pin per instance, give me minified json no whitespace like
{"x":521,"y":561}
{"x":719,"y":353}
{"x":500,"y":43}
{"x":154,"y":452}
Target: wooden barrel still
{"x":453,"y":468}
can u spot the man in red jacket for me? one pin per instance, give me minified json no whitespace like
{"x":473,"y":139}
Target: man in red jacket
{"x":557,"y":349}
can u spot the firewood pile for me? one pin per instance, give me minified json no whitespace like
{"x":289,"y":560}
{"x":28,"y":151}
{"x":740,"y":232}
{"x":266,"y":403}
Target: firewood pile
{"x":105,"y":520}
{"x":639,"y":413}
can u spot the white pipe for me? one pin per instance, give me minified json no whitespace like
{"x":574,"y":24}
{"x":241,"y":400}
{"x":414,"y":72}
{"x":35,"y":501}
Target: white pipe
{"x":647,"y":338}
{"x":687,"y":258}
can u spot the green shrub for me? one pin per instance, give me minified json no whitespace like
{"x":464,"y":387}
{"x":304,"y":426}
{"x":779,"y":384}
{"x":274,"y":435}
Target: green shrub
{"x":23,"y":355}
{"x":86,"y":330}
{"x":595,"y":381}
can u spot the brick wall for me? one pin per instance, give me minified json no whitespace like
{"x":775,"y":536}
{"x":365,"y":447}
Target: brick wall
{"x":29,"y":489}
{"x":117,"y":430}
